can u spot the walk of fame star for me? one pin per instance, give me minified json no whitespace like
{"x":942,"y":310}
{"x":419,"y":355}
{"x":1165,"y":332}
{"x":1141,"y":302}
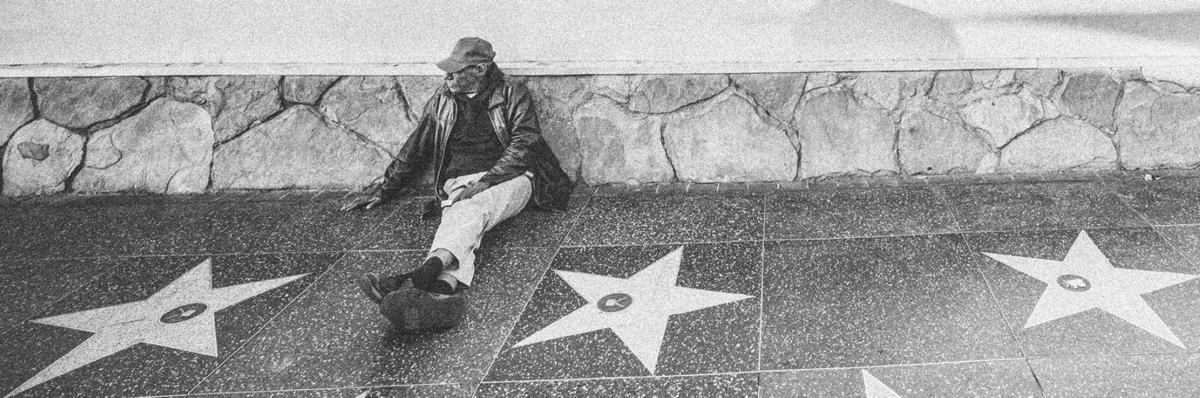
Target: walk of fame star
{"x":179,"y":316}
{"x":635,"y":309}
{"x":873,"y":388}
{"x":1085,"y":279}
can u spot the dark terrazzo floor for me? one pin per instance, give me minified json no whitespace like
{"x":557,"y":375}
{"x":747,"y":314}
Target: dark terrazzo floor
{"x":844,"y":288}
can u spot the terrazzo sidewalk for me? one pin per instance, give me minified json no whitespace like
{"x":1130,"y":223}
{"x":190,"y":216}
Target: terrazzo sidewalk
{"x":1079,"y":285}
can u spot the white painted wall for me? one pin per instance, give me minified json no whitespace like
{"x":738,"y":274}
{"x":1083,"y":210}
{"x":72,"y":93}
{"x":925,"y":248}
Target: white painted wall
{"x":624,"y":33}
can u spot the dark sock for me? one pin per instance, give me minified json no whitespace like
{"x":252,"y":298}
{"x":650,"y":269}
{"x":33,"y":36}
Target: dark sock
{"x":427,"y":274}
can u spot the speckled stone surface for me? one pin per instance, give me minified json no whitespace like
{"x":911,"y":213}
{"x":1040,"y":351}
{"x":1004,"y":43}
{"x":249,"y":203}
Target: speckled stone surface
{"x":273,"y":226}
{"x":738,"y":385}
{"x":346,"y":342}
{"x":1020,"y":206}
{"x":877,"y":301}
{"x":1092,"y":332}
{"x":1008,"y":378}
{"x":825,"y":281}
{"x":416,"y":391}
{"x":722,"y":338}
{"x":536,"y":228}
{"x":32,"y":286}
{"x":403,"y":229}
{"x":836,"y":213}
{"x":86,"y":231}
{"x":145,"y":369}
{"x":1120,"y":376}
{"x":661,"y":219}
{"x":1185,"y":239}
{"x":1169,"y":201}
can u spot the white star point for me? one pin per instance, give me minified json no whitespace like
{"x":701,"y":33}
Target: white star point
{"x":873,"y":388}
{"x":179,"y":316}
{"x":637,"y":309}
{"x":1086,"y":279}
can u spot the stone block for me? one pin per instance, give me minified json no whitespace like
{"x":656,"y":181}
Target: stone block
{"x":79,"y":102}
{"x":418,"y":90}
{"x":236,"y":103}
{"x":297,"y":149}
{"x":39,"y":159}
{"x":16,"y":106}
{"x":618,"y":146}
{"x":371,"y":106}
{"x":1005,"y":116}
{"x":1158,"y":130}
{"x":555,"y":99}
{"x":668,"y":93}
{"x":993,"y":78}
{"x":165,"y":148}
{"x":1092,"y":96}
{"x":724,"y":140}
{"x":1040,"y":82}
{"x":1061,"y":144}
{"x":950,"y":84}
{"x":776,"y":93}
{"x":937,"y":142}
{"x":881,"y":88}
{"x":839,"y":135}
{"x":306,"y":89}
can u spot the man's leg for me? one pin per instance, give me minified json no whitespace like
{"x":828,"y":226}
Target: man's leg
{"x":464,"y":223}
{"x":451,"y":258}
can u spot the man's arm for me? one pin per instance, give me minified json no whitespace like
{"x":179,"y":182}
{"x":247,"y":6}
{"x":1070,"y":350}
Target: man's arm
{"x":410,"y":162}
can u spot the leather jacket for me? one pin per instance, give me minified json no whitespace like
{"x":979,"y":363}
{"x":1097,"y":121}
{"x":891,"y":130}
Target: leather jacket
{"x":511,"y":111}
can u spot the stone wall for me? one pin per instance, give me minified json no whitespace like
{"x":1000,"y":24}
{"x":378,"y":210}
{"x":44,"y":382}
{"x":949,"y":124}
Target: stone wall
{"x":194,"y":134}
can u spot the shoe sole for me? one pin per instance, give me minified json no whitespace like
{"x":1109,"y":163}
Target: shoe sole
{"x":412,"y":309}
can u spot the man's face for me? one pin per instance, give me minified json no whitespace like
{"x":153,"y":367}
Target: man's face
{"x":466,"y":80}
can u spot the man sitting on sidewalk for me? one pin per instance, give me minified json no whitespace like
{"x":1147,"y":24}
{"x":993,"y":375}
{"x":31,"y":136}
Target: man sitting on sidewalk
{"x":481,"y":136}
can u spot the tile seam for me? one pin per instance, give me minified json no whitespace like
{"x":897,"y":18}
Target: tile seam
{"x":529,"y":297}
{"x":339,"y":262}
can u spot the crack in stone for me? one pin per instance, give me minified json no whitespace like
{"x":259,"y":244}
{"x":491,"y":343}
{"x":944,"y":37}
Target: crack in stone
{"x":896,"y":148}
{"x":321,"y":97}
{"x":167,"y":187}
{"x":625,"y":104}
{"x":69,"y":182}
{"x":1027,"y":130}
{"x":128,"y":113}
{"x":283,"y":101}
{"x":3,"y":150}
{"x":662,"y":138}
{"x":408,"y":107}
{"x":247,"y":130}
{"x":33,"y":98}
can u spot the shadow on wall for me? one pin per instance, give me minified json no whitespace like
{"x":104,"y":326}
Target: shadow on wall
{"x":872,"y":29}
{"x":1178,"y":27}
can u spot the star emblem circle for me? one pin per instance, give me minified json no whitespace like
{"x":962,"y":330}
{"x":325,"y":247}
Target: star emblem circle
{"x":183,"y":313}
{"x":1074,"y":283}
{"x":615,"y":302}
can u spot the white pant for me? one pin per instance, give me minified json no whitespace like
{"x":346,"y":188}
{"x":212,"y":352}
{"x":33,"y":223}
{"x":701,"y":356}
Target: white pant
{"x":464,"y":222}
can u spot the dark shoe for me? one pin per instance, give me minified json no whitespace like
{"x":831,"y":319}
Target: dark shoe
{"x":377,"y":288}
{"x":412,"y":309}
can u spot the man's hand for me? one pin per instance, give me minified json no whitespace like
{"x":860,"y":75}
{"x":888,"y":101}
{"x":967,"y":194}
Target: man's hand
{"x":472,"y":189}
{"x":363,"y":202}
